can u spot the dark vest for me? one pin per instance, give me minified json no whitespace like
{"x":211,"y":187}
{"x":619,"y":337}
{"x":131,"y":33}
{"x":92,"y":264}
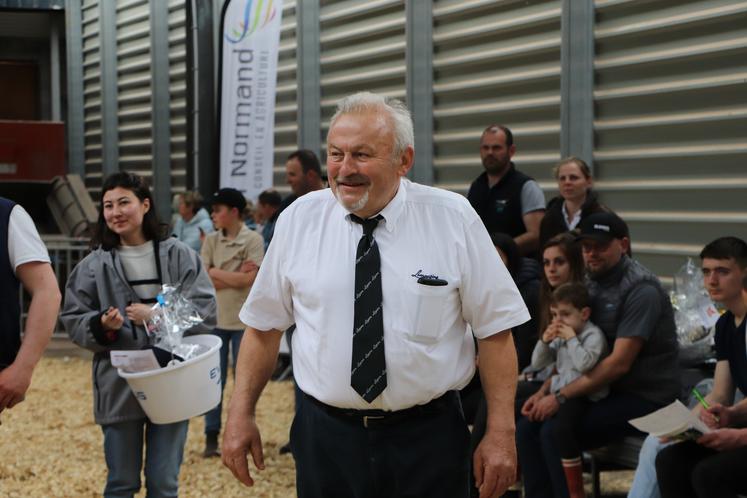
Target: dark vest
{"x":499,"y":206}
{"x":10,"y":314}
{"x":653,"y":374}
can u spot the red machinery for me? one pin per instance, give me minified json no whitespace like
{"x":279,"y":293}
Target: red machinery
{"x":31,"y":151}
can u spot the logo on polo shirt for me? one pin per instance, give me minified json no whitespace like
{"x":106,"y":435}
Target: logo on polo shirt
{"x":419,"y":274}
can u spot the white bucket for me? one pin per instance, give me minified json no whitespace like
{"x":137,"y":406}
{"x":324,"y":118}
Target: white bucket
{"x":181,"y":391}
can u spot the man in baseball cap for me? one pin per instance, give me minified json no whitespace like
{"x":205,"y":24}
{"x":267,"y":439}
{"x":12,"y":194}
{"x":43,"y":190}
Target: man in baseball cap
{"x":635,"y":313}
{"x":604,"y":239}
{"x":229,"y":197}
{"x":232,"y":255}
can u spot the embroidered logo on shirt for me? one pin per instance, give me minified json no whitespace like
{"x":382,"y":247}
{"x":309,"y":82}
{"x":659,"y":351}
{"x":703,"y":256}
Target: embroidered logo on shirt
{"x":420,"y":275}
{"x":500,"y":205}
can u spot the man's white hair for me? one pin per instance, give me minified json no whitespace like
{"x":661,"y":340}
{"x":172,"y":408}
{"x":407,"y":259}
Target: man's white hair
{"x":399,"y":116}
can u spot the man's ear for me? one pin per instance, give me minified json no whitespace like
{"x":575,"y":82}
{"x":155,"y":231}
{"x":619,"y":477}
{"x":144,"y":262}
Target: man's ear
{"x":406,"y":160}
{"x":625,"y":244}
{"x":512,"y":150}
{"x":585,"y":313}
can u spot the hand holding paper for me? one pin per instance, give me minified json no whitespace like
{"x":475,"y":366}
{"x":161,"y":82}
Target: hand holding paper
{"x":674,"y":421}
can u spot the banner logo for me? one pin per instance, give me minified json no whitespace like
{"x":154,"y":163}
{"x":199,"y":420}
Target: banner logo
{"x":248,"y":79}
{"x":242,"y":29}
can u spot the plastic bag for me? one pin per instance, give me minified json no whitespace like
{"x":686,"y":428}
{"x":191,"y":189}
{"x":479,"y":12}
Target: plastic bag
{"x":694,"y":312}
{"x":171,"y":317}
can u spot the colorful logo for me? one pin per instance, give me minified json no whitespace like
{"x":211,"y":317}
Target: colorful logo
{"x":257,"y":15}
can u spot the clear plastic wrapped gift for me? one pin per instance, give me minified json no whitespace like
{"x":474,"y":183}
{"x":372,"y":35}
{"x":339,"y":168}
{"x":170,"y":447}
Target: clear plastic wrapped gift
{"x":172,"y":316}
{"x":694,"y":312}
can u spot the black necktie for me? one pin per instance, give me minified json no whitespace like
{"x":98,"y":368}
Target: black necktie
{"x":368,"y":368}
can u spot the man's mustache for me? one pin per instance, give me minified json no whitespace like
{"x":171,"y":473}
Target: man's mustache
{"x":352,"y":179}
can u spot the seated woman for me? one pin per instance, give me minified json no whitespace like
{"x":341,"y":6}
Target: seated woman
{"x":575,"y":202}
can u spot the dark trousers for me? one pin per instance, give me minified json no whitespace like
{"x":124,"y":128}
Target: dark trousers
{"x":232,"y":339}
{"x":567,"y":426}
{"x":689,"y":470}
{"x":523,"y":391}
{"x":420,"y":456}
{"x":603,"y":422}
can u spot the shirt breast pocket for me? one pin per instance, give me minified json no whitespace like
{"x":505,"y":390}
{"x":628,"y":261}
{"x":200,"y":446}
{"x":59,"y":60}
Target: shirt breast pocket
{"x":425,"y":310}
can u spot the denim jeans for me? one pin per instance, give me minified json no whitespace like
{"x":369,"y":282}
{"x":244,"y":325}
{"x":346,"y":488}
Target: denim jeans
{"x":123,"y":449}
{"x":645,"y":484}
{"x":230,"y":338}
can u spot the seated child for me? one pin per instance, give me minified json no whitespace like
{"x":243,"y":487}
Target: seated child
{"x":574,"y":345}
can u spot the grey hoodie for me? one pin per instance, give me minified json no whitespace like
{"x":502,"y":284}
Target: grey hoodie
{"x":572,"y":358}
{"x":98,"y":282}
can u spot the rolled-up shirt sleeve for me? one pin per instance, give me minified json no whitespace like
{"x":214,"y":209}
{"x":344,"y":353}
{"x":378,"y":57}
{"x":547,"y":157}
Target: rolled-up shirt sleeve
{"x":270,"y":304}
{"x":491,"y":302}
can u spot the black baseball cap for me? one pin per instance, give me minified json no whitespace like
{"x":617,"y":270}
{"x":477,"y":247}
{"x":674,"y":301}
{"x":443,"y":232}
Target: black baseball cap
{"x":230,"y":197}
{"x":602,"y":227}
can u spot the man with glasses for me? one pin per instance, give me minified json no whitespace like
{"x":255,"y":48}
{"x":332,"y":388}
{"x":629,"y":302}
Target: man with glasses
{"x":635,"y":314}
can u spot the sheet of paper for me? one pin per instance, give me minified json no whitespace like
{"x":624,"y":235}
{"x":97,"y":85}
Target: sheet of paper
{"x":668,"y":421}
{"x":135,"y":361}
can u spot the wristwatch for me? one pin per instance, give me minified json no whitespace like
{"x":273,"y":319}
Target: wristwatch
{"x":560,"y":397}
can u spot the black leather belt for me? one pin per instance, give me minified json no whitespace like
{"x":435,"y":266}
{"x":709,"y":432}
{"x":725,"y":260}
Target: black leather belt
{"x":378,"y":418}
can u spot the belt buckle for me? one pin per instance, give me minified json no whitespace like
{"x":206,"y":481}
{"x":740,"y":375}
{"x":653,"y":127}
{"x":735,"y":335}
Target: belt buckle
{"x":366,"y":418}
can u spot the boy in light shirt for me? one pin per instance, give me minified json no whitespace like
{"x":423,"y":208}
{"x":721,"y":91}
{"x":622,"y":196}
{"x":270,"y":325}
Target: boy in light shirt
{"x":574,"y":345}
{"x":232,"y":255}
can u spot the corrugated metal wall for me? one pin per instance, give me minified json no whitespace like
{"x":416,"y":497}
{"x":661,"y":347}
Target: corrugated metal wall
{"x":671,"y":122}
{"x":133,"y":86}
{"x":134,"y":92}
{"x":670,"y":98}
{"x":178,"y":93}
{"x":495,"y":62}
{"x":91,"y":92}
{"x":362,"y":48}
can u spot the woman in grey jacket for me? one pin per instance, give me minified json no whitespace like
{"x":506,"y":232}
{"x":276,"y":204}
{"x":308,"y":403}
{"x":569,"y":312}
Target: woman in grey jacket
{"x":108,"y":296}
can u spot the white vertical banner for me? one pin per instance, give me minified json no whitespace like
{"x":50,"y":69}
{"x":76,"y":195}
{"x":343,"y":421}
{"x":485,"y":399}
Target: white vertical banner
{"x":251,"y":35}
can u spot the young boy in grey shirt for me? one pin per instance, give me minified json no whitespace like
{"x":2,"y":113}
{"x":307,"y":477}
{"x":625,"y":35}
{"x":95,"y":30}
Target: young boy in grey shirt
{"x":574,"y":345}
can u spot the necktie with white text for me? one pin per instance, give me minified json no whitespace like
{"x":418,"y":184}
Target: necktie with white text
{"x":368,"y":368}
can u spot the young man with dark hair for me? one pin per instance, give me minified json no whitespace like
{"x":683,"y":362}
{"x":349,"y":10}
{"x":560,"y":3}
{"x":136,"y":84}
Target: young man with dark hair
{"x":724,"y":264}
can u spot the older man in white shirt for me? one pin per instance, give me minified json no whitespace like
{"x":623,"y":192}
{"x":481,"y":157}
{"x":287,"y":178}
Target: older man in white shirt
{"x":386,"y":281}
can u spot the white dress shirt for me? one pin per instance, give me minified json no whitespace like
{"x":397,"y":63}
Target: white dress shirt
{"x":307,"y":278}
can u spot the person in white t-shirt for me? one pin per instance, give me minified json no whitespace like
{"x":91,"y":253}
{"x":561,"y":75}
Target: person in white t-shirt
{"x":24,"y":259}
{"x":383,"y":279}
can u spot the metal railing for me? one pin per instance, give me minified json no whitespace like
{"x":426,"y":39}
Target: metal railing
{"x":64,"y":253}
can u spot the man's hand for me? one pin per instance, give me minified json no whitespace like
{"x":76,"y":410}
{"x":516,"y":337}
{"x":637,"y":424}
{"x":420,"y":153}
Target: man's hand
{"x":544,"y":409}
{"x":138,"y":312}
{"x":724,"y":439}
{"x":112,"y":319}
{"x":495,"y":464}
{"x":531,"y":403}
{"x":14,"y":382}
{"x":240,"y":438}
